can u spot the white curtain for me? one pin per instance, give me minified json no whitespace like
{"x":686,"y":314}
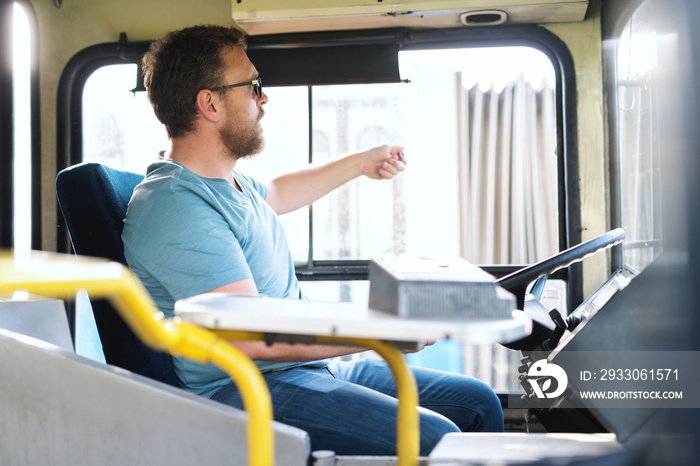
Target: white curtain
{"x":509,"y":170}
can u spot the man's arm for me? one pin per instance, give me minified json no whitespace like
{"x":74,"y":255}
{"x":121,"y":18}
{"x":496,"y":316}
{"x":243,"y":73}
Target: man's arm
{"x":292,"y":191}
{"x":281,"y":352}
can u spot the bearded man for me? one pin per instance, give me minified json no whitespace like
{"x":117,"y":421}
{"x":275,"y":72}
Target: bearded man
{"x":197,"y":225}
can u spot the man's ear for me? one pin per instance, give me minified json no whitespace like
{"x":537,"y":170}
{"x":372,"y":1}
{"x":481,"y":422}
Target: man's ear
{"x":208,"y":105}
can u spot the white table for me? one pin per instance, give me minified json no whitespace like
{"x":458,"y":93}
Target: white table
{"x":227,"y":311}
{"x":272,"y":319}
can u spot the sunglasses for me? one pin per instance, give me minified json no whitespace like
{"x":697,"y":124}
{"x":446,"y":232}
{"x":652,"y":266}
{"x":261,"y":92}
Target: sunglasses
{"x":256,"y":83}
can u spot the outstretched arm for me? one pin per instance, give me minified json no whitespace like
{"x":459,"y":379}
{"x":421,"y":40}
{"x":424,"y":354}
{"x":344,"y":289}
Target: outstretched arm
{"x":292,"y":191}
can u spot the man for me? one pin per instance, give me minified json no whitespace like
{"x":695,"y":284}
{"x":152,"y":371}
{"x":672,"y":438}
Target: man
{"x":196,"y":225}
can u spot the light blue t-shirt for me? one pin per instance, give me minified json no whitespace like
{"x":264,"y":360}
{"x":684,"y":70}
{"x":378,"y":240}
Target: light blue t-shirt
{"x":185,"y":235}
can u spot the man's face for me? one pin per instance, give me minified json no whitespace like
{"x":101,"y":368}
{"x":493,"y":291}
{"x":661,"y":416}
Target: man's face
{"x":241,"y":133}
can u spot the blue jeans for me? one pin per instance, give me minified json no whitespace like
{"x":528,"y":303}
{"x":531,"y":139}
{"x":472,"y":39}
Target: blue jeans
{"x":350,"y":407}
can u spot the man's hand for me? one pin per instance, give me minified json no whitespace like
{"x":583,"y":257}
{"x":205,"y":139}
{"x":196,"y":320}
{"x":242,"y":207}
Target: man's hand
{"x":419,"y":347}
{"x":289,"y":192}
{"x":383,"y":162}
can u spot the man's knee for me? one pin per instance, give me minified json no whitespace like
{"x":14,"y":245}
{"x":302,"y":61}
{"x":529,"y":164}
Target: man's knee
{"x":490,"y":411}
{"x":433,"y":427}
{"x":470,"y":403}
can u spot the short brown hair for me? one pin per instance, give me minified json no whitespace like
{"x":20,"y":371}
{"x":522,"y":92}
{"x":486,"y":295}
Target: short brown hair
{"x":179,"y":65}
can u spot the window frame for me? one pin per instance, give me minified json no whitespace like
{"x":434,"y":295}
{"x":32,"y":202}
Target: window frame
{"x":80,"y":67}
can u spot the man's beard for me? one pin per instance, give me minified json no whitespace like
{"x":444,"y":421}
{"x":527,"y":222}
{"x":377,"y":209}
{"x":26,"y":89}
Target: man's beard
{"x":243,"y":143}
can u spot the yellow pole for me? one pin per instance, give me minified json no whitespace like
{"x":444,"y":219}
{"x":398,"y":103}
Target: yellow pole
{"x":251,"y":384}
{"x":407,"y":420}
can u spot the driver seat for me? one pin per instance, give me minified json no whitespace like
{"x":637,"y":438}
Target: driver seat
{"x":93,"y":199}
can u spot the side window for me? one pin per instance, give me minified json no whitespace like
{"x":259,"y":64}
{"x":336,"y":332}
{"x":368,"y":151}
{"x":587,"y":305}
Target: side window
{"x":479,"y":129}
{"x":119,"y":127}
{"x":637,"y":135}
{"x":485,"y":125}
{"x":481,"y":180}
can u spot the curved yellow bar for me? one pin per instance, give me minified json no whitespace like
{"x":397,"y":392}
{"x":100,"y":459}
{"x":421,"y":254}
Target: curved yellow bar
{"x":407,"y":421}
{"x":252,"y":386}
{"x":62,"y":275}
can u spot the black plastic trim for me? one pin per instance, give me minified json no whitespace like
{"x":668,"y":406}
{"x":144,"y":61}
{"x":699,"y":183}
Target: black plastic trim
{"x":6,"y":128}
{"x":359,"y":270}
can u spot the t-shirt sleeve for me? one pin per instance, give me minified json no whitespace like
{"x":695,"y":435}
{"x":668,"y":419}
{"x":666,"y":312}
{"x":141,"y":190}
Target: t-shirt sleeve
{"x":187,"y":245}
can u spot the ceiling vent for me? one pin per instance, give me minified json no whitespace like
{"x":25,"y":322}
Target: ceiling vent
{"x":483,"y":18}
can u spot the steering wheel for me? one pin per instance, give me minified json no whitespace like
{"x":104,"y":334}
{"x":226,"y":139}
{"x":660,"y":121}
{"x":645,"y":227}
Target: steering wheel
{"x":517,"y":283}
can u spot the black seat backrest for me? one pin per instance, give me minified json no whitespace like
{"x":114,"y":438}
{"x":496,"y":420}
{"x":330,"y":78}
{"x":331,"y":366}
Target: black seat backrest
{"x":93,"y":199}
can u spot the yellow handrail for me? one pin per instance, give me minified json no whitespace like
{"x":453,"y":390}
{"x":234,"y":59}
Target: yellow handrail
{"x":407,"y":420}
{"x":61,"y":276}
